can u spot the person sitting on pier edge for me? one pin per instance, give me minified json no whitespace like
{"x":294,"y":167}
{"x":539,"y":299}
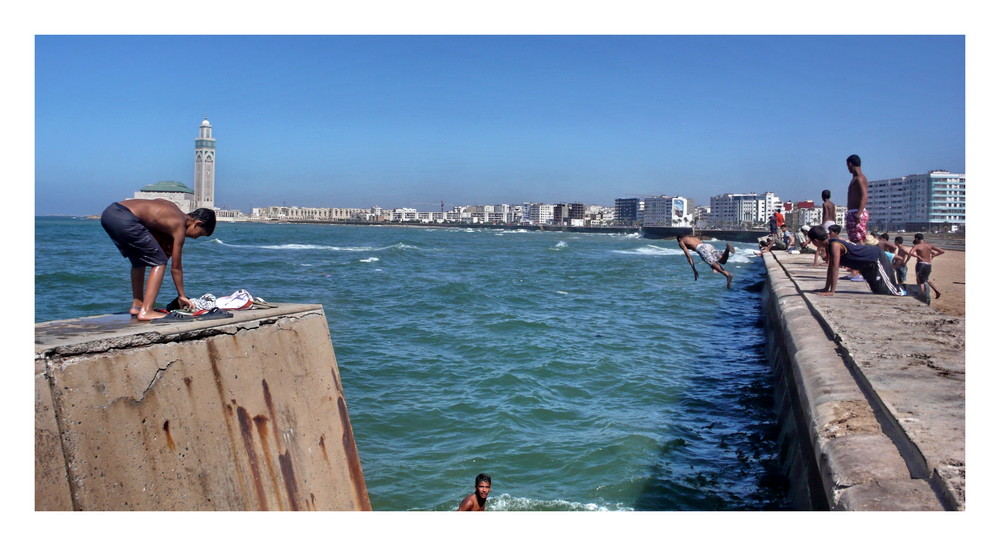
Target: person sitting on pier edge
{"x":869,"y":260}
{"x":708,"y":254}
{"x":802,"y":240}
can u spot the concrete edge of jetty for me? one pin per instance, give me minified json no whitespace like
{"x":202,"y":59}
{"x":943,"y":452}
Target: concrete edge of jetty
{"x":240,"y":413}
{"x":870,"y":393}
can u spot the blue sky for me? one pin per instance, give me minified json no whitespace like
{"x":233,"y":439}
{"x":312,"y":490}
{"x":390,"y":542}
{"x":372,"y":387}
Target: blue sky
{"x":356,"y":121}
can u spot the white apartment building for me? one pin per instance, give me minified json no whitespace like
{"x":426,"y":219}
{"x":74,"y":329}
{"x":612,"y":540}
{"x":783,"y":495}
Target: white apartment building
{"x":538,"y":214}
{"x":666,"y":211}
{"x":314,"y":214}
{"x":917,"y":202}
{"x":735,"y":210}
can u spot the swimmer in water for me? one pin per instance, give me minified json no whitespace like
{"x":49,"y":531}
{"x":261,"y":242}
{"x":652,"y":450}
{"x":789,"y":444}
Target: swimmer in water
{"x":476,"y":502}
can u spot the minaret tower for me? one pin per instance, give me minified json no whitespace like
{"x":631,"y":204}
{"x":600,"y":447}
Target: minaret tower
{"x":204,"y":167}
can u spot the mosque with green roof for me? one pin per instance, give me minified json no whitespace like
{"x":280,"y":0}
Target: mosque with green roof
{"x":203,"y":194}
{"x":172,"y":191}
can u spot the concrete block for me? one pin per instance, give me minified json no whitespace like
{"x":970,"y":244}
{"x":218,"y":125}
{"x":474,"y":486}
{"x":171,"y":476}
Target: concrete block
{"x":51,"y":482}
{"x":236,"y":414}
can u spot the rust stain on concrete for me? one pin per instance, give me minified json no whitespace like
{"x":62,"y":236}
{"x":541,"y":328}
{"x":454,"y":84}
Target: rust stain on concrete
{"x":166,"y":431}
{"x":261,"y":423}
{"x":247,"y":434}
{"x":288,"y":473}
{"x":322,"y":444}
{"x":353,"y":460}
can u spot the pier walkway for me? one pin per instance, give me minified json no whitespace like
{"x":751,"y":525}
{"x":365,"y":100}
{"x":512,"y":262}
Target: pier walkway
{"x":889,"y":433}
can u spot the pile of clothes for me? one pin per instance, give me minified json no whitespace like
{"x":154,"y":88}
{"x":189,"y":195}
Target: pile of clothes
{"x":210,"y":307}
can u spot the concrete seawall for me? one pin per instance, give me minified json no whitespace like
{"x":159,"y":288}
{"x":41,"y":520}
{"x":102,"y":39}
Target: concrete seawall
{"x":871,"y":393}
{"x":245,"y":413}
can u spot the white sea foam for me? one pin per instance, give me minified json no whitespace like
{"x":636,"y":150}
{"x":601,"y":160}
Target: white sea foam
{"x":297,"y":246}
{"x":368,"y":260}
{"x":651,"y":250}
{"x":507,"y":503}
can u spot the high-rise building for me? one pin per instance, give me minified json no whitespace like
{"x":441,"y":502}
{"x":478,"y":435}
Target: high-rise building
{"x":204,"y":167}
{"x":666,"y":211}
{"x":627,"y":211}
{"x":917,"y":202}
{"x":731,"y":210}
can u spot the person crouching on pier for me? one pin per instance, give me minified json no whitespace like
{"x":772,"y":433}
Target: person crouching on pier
{"x":869,"y":260}
{"x":151,"y":232}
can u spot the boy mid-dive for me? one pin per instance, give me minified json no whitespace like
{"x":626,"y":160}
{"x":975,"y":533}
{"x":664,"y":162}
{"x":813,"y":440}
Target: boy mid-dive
{"x":708,"y":254}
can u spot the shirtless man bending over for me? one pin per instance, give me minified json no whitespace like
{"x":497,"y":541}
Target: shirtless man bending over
{"x":708,"y":254}
{"x":149,"y":232}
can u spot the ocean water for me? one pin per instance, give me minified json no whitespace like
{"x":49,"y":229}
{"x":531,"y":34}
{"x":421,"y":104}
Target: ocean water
{"x":582,"y":371}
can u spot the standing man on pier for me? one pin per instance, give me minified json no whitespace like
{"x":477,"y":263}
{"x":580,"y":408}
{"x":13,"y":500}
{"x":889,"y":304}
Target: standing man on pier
{"x":476,"y":502}
{"x":856,"y":218}
{"x":708,"y":254}
{"x":829,"y":210}
{"x":829,"y":219}
{"x":149,"y":232}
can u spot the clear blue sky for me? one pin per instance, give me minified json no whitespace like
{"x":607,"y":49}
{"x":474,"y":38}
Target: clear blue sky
{"x":356,"y":121}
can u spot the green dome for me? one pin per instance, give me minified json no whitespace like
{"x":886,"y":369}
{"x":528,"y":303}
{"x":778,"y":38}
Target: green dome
{"x":168,"y":186}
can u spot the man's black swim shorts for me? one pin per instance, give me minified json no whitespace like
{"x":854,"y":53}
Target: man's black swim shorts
{"x":133,"y":239}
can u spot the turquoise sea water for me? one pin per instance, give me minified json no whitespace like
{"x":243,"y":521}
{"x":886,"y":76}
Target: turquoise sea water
{"x":582,"y":371}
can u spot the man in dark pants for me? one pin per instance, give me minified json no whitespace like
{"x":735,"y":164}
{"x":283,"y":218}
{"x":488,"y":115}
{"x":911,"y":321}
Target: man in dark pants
{"x":925,"y":252}
{"x":869,"y":260}
{"x":149,"y":232}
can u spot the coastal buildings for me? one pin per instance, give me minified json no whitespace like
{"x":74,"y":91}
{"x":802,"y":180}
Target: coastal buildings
{"x":538,"y":213}
{"x":653,"y":211}
{"x":742,"y":210}
{"x":308,"y":213}
{"x":808,"y":213}
{"x":204,"y":167}
{"x":934,"y":201}
{"x":628,"y":211}
{"x":666,"y":211}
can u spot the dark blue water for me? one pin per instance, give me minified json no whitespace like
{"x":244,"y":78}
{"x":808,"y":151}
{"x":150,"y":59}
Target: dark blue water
{"x":582,"y":371}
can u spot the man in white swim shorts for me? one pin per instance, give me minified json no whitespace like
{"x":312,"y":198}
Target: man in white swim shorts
{"x":708,"y":254}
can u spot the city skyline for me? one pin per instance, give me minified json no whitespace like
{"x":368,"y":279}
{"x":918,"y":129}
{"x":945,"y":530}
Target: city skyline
{"x":403,"y":121}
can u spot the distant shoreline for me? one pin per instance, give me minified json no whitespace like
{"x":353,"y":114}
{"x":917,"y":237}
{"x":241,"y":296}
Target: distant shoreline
{"x":944,"y":240}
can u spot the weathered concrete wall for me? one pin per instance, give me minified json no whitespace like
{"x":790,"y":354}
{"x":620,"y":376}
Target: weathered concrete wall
{"x":851,"y":451}
{"x":246,"y":413}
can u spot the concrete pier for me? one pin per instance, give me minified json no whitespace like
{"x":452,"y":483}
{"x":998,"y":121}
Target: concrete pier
{"x":875,"y":386}
{"x":244,"y":413}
